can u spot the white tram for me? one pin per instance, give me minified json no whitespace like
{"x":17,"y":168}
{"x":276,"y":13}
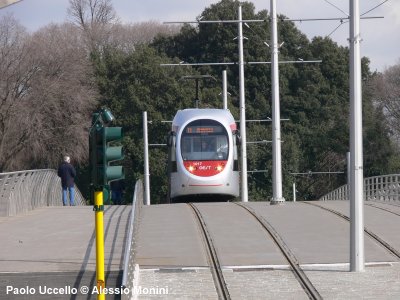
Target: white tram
{"x":203,"y":156}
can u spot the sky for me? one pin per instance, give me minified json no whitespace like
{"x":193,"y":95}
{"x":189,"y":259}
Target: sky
{"x":381,"y":37}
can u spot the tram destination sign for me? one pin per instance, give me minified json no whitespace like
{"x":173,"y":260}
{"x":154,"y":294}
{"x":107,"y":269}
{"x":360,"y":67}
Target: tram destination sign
{"x":203,"y":129}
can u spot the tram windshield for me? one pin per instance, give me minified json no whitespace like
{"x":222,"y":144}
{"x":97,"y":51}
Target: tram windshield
{"x":204,"y":140}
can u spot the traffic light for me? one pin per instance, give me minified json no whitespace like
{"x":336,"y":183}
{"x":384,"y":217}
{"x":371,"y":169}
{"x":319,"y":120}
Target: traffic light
{"x":102,"y":154}
{"x":109,"y":154}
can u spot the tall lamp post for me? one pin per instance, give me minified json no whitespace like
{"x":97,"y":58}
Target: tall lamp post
{"x":277,"y":197}
{"x":357,"y":260}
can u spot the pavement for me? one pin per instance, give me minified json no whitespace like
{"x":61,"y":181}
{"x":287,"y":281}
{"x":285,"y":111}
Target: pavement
{"x":169,"y":236}
{"x":55,"y":247}
{"x":253,"y":268}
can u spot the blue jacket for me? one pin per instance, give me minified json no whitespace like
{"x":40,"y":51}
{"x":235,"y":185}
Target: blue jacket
{"x":67,"y":173}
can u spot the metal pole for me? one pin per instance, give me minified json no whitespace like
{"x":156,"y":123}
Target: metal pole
{"x":348,"y":174}
{"x":294,"y":192}
{"x":357,"y":261}
{"x":224,"y":90}
{"x":146,"y":161}
{"x":277,"y":197}
{"x":197,"y":93}
{"x":99,"y":225}
{"x":244,"y":191}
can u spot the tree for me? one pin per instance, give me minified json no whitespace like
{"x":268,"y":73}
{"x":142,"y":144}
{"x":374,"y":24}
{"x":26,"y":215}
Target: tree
{"x":47,"y":82}
{"x":314,"y":97}
{"x":383,"y":94}
{"x":16,"y":73}
{"x":126,"y":37}
{"x":65,"y":94}
{"x":385,"y":90}
{"x":94,"y":18}
{"x":46,"y":94}
{"x":130,"y":83}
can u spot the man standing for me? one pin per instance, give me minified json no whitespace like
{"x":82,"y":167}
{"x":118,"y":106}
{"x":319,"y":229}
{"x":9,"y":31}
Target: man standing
{"x":67,"y":173}
{"x":117,"y":189}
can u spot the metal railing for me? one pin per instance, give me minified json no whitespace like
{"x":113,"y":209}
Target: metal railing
{"x":377,"y":188}
{"x":24,"y":191}
{"x":130,"y":275}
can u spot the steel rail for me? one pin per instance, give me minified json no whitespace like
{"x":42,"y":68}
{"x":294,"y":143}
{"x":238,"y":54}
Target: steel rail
{"x":215,"y":266}
{"x":374,"y":236}
{"x":301,"y":277}
{"x":387,"y":203}
{"x":382,"y":208}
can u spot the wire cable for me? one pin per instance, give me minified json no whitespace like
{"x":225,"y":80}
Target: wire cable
{"x":341,"y":23}
{"x":338,"y":8}
{"x":374,"y":7}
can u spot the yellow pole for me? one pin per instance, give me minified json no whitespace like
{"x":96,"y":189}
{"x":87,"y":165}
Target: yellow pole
{"x":99,"y":209}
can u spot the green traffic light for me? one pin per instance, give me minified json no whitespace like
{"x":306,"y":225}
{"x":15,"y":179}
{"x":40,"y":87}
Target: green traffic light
{"x":102,"y":153}
{"x":115,"y":173}
{"x":113,"y":133}
{"x":114,"y":153}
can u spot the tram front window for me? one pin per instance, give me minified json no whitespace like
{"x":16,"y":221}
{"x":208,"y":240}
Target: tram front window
{"x":204,"y":140}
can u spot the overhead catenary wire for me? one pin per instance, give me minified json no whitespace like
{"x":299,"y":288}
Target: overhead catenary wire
{"x":338,"y":8}
{"x":235,"y":63}
{"x":348,"y":16}
{"x":334,"y":30}
{"x":316,"y":173}
{"x":215,"y":21}
{"x":375,"y":7}
{"x":266,"y":20}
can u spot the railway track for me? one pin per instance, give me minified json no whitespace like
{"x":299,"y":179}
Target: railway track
{"x":382,"y":208}
{"x":215,"y":266}
{"x":383,"y":243}
{"x":387,"y":202}
{"x":302,"y":278}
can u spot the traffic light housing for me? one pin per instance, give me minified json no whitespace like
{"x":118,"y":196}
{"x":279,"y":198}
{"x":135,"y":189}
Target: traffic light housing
{"x":109,"y":154}
{"x":102,"y":154}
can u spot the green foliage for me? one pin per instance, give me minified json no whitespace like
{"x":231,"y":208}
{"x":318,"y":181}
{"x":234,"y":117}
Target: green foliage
{"x":314,"y":97}
{"x":131,"y":84}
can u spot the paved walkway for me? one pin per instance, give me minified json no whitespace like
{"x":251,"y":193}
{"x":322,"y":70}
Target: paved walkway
{"x":55,"y":246}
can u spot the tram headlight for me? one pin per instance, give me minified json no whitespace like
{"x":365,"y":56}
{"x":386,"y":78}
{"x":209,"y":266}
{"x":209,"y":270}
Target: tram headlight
{"x":220,"y":167}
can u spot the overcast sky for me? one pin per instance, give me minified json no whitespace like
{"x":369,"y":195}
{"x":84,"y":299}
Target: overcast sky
{"x":381,"y":37}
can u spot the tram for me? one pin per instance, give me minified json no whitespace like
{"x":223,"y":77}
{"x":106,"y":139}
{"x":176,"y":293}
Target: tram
{"x":203,"y":156}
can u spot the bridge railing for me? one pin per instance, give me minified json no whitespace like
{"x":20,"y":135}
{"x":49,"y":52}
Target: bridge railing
{"x":131,"y":271}
{"x":377,"y":188}
{"x":24,"y":191}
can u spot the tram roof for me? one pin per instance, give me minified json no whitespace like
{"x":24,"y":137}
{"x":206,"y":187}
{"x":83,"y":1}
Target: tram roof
{"x":186,"y":115}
